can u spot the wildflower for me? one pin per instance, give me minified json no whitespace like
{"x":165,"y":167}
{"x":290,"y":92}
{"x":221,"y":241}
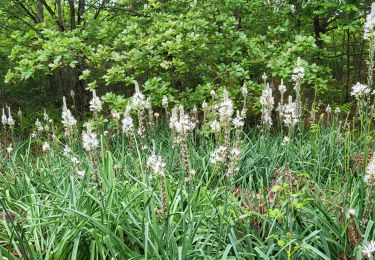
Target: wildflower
{"x":286,"y":141}
{"x":156,"y":115}
{"x":67,"y":118}
{"x":115,"y":114}
{"x":244,"y":91}
{"x":139,"y":103}
{"x":74,"y":160}
{"x":352,"y":213}
{"x":138,"y":98}
{"x":191,"y":175}
{"x":19,"y":114}
{"x":369,"y":24}
{"x":10,"y":120}
{"x":4,"y":119}
{"x":337,"y":110}
{"x":45,"y":115}
{"x":181,"y":124}
{"x":282,"y":87}
{"x":298,"y":71}
{"x":45,"y":147}
{"x":10,"y":149}
{"x":328,"y":109}
{"x":369,"y":249}
{"x":72,"y":94}
{"x":238,"y":120}
{"x":267,"y":102}
{"x":89,"y":139}
{"x":67,"y":150}
{"x":180,"y":121}
{"x":369,"y":178}
{"x":204,"y":105}
{"x":290,"y":113}
{"x":156,"y":164}
{"x":225,"y":107}
{"x":80,"y":173}
{"x":360,"y":90}
{"x":127,"y":121}
{"x":39,"y":125}
{"x":264,"y":77}
{"x":218,"y":155}
{"x":164,"y":101}
{"x":148,"y":106}
{"x":95,"y":103}
{"x":213,"y":94}
{"x":233,"y":166}
{"x":215,"y":126}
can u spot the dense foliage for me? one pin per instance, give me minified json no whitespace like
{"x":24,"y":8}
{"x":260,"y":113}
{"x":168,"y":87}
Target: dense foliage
{"x":178,"y":48}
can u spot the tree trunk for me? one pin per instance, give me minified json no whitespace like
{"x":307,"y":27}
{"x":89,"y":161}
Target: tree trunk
{"x":318,"y":30}
{"x":40,"y":12}
{"x":60,"y":16}
{"x":72,"y":15}
{"x":81,"y":10}
{"x":297,"y":10}
{"x":80,"y":88}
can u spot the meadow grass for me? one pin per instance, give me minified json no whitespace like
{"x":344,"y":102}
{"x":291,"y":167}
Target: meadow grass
{"x":286,"y":202}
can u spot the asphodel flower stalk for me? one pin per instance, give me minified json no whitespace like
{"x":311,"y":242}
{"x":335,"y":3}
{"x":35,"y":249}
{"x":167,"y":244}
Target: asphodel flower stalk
{"x":267,"y":102}
{"x":139,"y":103}
{"x":90,"y":144}
{"x":181,"y":126}
{"x":225,"y":113}
{"x":298,"y":76}
{"x":157,"y":165}
{"x":369,"y":181}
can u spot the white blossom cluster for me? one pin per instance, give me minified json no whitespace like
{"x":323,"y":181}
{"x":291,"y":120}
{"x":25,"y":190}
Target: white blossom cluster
{"x":89,"y":139}
{"x":218,"y":155}
{"x":9,"y":149}
{"x":298,"y":71}
{"x":238,"y":121}
{"x":7,"y":120}
{"x":290,"y":113}
{"x":164,"y":101}
{"x":352,"y":213}
{"x":328,"y":109}
{"x":369,"y":178}
{"x":267,"y":102}
{"x":244,"y":91}
{"x":368,"y":249}
{"x":68,"y":119}
{"x":225,"y":107}
{"x":360,"y":90}
{"x":156,"y":164}
{"x":215,"y":126}
{"x":127,"y":121}
{"x":180,"y":121}
{"x":138,"y":98}
{"x":369,"y":27}
{"x":282,"y":90}
{"x":115,"y":114}
{"x":46,"y":147}
{"x":282,"y":87}
{"x":95,"y":103}
{"x":286,"y":141}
